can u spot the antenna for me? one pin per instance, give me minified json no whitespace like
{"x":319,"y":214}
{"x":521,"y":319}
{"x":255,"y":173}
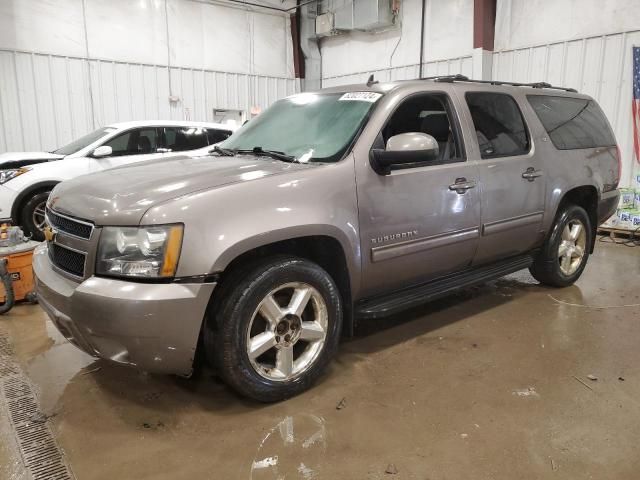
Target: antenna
{"x":371,"y":80}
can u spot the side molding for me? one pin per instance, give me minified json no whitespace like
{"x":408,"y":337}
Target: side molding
{"x":386,"y":252}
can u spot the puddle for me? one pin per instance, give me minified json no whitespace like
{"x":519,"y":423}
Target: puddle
{"x":23,"y":426}
{"x":294,"y":448}
{"x":526,"y":392}
{"x":52,"y":370}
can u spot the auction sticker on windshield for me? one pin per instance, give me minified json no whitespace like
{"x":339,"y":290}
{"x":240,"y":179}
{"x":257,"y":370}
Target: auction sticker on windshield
{"x":370,"y":97}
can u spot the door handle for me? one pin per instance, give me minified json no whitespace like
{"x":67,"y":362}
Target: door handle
{"x":531,"y":174}
{"x":462,"y":185}
{"x":163,"y":150}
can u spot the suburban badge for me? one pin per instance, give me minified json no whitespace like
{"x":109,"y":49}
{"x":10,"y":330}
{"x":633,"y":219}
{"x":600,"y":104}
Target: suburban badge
{"x":394,"y":236}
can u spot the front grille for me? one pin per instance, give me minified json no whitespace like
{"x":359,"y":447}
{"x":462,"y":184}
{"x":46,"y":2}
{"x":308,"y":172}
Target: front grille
{"x":67,"y":260}
{"x":69,"y":225}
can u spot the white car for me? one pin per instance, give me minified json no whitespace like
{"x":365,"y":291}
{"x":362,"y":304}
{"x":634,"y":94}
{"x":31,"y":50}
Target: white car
{"x":26,"y":178}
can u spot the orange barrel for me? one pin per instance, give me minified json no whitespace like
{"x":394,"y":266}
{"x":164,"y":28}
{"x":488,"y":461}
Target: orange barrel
{"x":19,"y":259}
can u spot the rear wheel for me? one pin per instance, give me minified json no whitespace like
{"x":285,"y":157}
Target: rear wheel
{"x":32,"y":215}
{"x":566,"y":251}
{"x":276,"y":329}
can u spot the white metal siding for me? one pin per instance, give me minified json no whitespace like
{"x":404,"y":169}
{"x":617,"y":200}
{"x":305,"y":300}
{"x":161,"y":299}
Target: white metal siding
{"x":448,"y":34}
{"x":599,"y":66}
{"x":96,"y":62}
{"x":451,"y":66}
{"x":48,"y":100}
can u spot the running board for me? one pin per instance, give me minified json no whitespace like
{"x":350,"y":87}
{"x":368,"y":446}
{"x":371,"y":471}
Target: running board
{"x":390,"y":303}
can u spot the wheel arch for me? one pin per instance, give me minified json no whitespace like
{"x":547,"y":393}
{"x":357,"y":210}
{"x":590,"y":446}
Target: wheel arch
{"x":325,"y":250}
{"x":587,"y":197}
{"x":24,"y":195}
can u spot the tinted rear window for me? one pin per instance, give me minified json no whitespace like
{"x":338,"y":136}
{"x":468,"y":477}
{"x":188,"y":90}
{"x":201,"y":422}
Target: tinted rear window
{"x":499,"y":125}
{"x":216,"y":136}
{"x":572,"y":123}
{"x":180,"y":139}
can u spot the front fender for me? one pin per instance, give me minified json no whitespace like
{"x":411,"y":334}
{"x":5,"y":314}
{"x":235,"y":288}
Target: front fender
{"x":225,"y":222}
{"x":26,"y":192}
{"x":291,"y":233}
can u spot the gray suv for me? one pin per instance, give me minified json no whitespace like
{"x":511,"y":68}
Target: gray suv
{"x":349,"y":203}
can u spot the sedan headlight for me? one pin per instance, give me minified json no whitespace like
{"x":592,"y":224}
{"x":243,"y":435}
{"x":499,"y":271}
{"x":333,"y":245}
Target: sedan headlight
{"x":146,"y":252}
{"x":6,"y":175}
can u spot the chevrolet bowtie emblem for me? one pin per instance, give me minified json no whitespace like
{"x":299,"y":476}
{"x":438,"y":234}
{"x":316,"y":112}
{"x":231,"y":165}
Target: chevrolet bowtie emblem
{"x":49,"y":234}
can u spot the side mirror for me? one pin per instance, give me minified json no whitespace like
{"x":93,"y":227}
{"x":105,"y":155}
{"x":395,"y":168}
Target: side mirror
{"x":102,"y":151}
{"x":405,"y":149}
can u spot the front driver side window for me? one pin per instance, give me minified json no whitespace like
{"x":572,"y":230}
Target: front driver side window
{"x":138,"y":141}
{"x":430,"y":114}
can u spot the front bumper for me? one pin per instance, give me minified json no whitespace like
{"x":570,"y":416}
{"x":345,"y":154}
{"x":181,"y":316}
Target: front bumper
{"x":7,"y":199}
{"x":152,"y":326}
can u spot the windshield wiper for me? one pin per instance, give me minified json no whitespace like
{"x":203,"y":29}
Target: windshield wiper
{"x":259,"y":151}
{"x":222,"y":151}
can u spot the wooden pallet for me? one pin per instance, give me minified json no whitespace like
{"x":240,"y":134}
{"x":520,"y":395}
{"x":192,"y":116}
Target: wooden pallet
{"x":618,"y":232}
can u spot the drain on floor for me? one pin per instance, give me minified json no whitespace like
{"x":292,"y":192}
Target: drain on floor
{"x":7,"y":366}
{"x":40,"y":452}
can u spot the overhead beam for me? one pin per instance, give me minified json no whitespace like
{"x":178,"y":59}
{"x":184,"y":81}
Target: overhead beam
{"x":484,"y":24}
{"x":484,"y":27}
{"x":422,"y":12}
{"x":298,"y":54}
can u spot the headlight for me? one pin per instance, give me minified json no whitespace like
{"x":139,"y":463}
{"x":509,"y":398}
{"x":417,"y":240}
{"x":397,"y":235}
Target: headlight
{"x":6,"y":175}
{"x":147,"y":252}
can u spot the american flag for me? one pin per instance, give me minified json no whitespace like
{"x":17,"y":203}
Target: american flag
{"x":635,"y":107}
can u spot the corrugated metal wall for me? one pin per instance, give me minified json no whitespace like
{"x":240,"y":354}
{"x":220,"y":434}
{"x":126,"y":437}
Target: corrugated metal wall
{"x":599,"y":66}
{"x":49,"y":100}
{"x":451,"y":66}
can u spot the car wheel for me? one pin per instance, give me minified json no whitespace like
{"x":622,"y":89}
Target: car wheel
{"x":32,"y":215}
{"x":276,"y":328}
{"x":566,"y":251}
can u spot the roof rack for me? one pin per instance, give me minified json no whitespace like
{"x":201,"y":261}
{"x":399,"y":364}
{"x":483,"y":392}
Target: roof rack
{"x":463,"y":78}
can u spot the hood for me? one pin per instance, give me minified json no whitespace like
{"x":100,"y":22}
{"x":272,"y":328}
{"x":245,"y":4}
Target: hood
{"x":22,"y":159}
{"x":121,"y":196}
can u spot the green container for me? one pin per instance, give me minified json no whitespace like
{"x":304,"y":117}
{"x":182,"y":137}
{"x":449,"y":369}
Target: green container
{"x":626,"y":198}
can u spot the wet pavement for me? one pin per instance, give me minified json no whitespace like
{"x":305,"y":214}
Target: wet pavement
{"x":488,"y":383}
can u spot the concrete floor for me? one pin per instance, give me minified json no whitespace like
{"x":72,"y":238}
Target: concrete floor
{"x":483,"y":384}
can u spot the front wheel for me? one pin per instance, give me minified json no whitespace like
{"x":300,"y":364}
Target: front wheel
{"x":276,"y":328}
{"x":565,"y":253}
{"x":32,"y":217}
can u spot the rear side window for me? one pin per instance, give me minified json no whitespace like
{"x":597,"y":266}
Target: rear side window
{"x":572,"y":122}
{"x":216,"y":136}
{"x":180,"y":139}
{"x":499,"y":125}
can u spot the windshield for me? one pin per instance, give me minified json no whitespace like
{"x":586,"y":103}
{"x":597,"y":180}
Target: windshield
{"x":82,"y":142}
{"x":307,"y":126}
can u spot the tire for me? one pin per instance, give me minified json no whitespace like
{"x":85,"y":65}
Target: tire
{"x":259,"y":301}
{"x":30,"y":212}
{"x":563,"y":257}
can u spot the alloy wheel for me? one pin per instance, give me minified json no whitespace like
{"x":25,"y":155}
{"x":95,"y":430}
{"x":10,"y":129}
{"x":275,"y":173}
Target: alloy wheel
{"x":571,"y":250}
{"x":38,"y":215}
{"x":287,"y":331}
